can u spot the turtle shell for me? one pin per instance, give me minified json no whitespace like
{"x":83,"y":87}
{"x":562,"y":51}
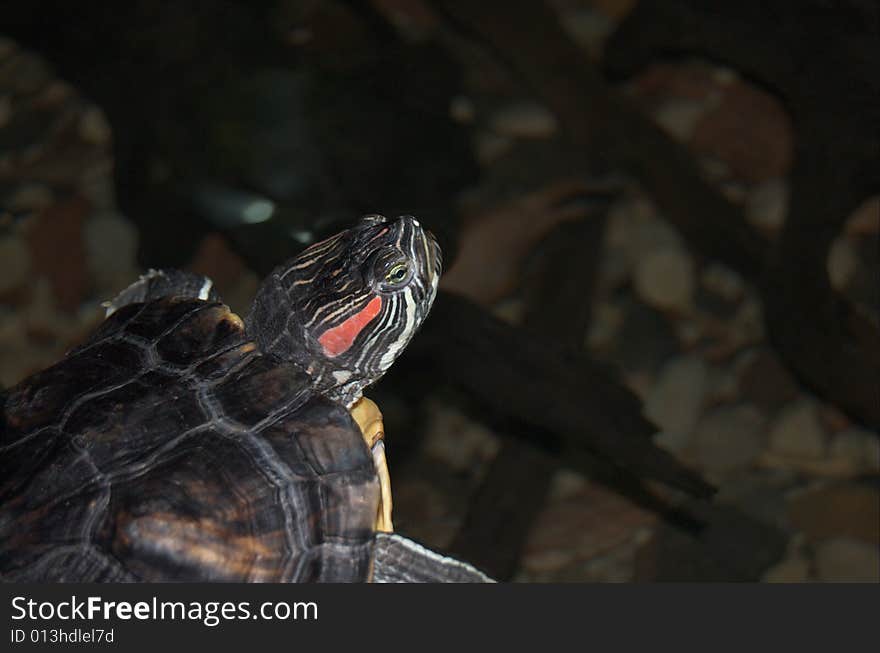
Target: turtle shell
{"x":168,"y":447}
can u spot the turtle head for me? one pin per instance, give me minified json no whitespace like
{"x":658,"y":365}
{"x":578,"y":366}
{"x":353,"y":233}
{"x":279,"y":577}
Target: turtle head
{"x":346,"y":307}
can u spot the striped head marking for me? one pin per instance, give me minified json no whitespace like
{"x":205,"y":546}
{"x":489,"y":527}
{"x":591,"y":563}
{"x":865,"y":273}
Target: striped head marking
{"x":346,"y":307}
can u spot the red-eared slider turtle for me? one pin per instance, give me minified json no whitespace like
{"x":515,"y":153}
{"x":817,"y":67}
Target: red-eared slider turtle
{"x":183,"y":443}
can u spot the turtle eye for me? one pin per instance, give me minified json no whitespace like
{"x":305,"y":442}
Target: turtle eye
{"x":397,"y":274}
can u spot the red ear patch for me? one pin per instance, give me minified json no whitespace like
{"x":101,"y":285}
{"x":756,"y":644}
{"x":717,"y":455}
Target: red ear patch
{"x":338,"y":339}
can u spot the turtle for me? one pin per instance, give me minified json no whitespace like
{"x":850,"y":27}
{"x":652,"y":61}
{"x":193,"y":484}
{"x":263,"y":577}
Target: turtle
{"x":181,"y":442}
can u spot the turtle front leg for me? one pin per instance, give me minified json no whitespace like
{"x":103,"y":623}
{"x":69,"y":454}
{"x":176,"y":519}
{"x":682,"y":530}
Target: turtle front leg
{"x":369,"y":418}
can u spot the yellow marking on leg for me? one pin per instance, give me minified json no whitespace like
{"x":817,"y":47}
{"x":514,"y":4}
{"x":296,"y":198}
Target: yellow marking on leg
{"x":369,"y":418}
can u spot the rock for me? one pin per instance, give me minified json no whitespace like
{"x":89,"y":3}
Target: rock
{"x":795,"y":569}
{"x":760,"y":493}
{"x":240,"y":294}
{"x":722,"y":281}
{"x":58,"y":252}
{"x":462,"y":110}
{"x":457,"y":440}
{"x":111,"y":243}
{"x":634,"y":227}
{"x":547,"y":561}
{"x":842,"y":263}
{"x":765,"y":382}
{"x":797,"y":432}
{"x":588,"y":28}
{"x":24,"y":73}
{"x":416,"y":19}
{"x":767,"y":205}
{"x":728,"y":438}
{"x":842,"y":509}
{"x":526,"y":120}
{"x":644,"y":341}
{"x":723,"y":385}
{"x":858,"y":446}
{"x":833,"y":419}
{"x":96,"y":184}
{"x":56,"y":93}
{"x":565,"y":484}
{"x":490,"y":147}
{"x":675,"y":401}
{"x":217,"y":261}
{"x":579,"y":525}
{"x":747,"y":325}
{"x":750,"y":131}
{"x":496,"y":242}
{"x":616,"y":10}
{"x":94,"y":128}
{"x":846,"y":560}
{"x":607,"y":319}
{"x":685,"y":81}
{"x":7,"y":47}
{"x":511,"y":310}
{"x":679,"y":117}
{"x":664,"y":279}
{"x":5,"y":110}
{"x":865,"y":220}
{"x":31,"y":197}
{"x":863,"y":288}
{"x":15,"y":262}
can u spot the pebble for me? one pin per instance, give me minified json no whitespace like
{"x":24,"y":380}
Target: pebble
{"x":748,"y":323}
{"x":5,"y":110}
{"x":7,"y":47}
{"x":634,"y":227}
{"x":860,"y":447}
{"x":865,"y":220}
{"x":55,"y":238}
{"x":767,"y":205}
{"x":764,"y":381}
{"x":722,"y":281}
{"x":240,"y":294}
{"x":462,"y":110}
{"x":588,"y":28}
{"x":664,"y":279}
{"x":847,"y":560}
{"x":490,"y":147}
{"x":675,"y":401}
{"x":850,"y":509}
{"x":585,"y":522}
{"x":749,"y":130}
{"x":457,"y":440}
{"x":215,"y":259}
{"x":797,"y":431}
{"x":760,"y":493}
{"x":843,"y":261}
{"x":526,"y":120}
{"x":94,"y":127}
{"x":511,"y":310}
{"x":24,"y":73}
{"x":111,"y":245}
{"x":14,"y":262}
{"x":795,"y":569}
{"x":31,"y":197}
{"x":680,"y":117}
{"x":645,"y":339}
{"x":566,"y":484}
{"x":729,"y":437}
{"x":96,"y":184}
{"x":607,"y":320}
{"x":547,"y":560}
